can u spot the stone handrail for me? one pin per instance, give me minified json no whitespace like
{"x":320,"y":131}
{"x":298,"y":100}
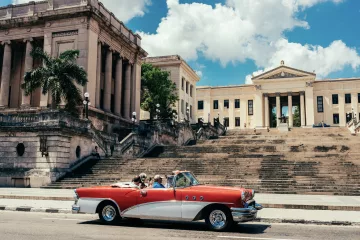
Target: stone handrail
{"x":48,"y":119}
{"x":221,"y":129}
{"x":35,"y":9}
{"x":127,"y":142}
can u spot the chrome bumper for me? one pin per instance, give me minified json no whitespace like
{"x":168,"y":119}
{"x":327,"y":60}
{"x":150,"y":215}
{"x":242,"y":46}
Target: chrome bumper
{"x":75,"y":209}
{"x":245,"y":214}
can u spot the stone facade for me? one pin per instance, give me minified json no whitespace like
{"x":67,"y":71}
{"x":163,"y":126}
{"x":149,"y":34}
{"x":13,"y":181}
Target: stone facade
{"x":25,"y":162}
{"x":185,"y":79}
{"x":109,"y":52}
{"x":262,"y":104}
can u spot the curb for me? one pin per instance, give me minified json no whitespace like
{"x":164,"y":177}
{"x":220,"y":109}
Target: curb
{"x":36,"y":198}
{"x":263,"y":220}
{"x":31,"y":209}
{"x":302,"y":221}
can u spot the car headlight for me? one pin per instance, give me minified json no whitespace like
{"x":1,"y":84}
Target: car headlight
{"x":243,"y":196}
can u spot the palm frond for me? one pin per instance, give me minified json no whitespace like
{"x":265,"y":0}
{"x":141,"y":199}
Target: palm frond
{"x":38,"y":53}
{"x":69,"y":55}
{"x":75,"y":72}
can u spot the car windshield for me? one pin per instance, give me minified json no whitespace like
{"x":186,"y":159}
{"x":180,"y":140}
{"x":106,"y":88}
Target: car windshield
{"x":186,"y":179}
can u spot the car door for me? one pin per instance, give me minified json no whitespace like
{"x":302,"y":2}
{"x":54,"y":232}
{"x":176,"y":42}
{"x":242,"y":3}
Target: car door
{"x":158,"y":203}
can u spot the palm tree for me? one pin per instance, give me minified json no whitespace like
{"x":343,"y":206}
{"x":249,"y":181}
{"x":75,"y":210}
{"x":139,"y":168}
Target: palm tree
{"x":57,"y":76}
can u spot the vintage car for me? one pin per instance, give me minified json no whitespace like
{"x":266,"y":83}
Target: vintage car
{"x":185,"y":199}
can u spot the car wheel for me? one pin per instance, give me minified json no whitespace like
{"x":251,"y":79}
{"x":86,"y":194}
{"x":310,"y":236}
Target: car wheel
{"x":108,"y":213}
{"x":219,"y":219}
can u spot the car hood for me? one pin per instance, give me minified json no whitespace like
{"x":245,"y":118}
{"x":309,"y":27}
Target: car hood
{"x":215,"y":188}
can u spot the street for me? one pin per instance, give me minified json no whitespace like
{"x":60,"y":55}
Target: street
{"x":36,"y":226}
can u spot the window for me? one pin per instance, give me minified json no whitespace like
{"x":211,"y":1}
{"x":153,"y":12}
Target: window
{"x":336,"y":118}
{"x":191,"y":90}
{"x":348,"y":117}
{"x":200,"y":105}
{"x":182,"y":83}
{"x":187,"y":87}
{"x":216,"y":104}
{"x":358,"y":97}
{"x":226,"y":103}
{"x":190,"y":111}
{"x":237,"y":122}
{"x":237,"y":103}
{"x":320,"y":105}
{"x":347,"y":98}
{"x":250,"y":107}
{"x":226,"y":122}
{"x":335,"y":99}
{"x":182,"y":106}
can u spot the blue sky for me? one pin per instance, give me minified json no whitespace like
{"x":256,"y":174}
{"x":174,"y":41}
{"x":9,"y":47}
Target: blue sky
{"x":228,"y":40}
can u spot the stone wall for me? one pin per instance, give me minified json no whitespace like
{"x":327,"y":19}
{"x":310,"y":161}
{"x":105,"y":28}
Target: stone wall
{"x":34,"y":170}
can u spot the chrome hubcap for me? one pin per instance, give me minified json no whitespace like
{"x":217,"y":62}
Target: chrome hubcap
{"x":109,"y":213}
{"x":217,"y":219}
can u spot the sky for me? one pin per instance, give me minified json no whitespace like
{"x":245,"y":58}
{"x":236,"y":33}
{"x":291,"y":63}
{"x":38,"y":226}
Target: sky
{"x":226,"y":41}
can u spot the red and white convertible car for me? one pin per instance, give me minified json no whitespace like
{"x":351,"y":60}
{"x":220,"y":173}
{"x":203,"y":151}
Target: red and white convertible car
{"x":186,"y":200}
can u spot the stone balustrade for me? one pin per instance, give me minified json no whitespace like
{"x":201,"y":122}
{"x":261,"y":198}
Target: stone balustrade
{"x":38,"y":9}
{"x":47,"y":119}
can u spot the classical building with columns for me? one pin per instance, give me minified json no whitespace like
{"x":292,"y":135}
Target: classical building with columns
{"x":185,"y":79}
{"x":110,"y":53}
{"x":281,"y":92}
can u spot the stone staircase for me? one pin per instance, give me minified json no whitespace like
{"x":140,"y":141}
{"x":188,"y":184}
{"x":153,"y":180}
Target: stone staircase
{"x":302,"y":161}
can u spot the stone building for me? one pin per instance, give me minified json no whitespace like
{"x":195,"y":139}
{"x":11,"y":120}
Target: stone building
{"x":110,"y":53}
{"x":271,"y":96}
{"x":185,"y":79}
{"x":38,"y":146}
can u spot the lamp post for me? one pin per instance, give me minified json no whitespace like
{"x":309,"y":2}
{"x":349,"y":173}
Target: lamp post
{"x":187,"y":113}
{"x":157,"y":110}
{"x":133,"y":119}
{"x":86,"y":103}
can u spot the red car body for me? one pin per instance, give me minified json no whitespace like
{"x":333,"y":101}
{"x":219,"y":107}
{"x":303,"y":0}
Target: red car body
{"x":219,"y":206}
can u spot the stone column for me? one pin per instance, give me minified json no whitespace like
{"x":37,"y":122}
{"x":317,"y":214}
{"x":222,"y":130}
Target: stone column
{"x":133,"y":89}
{"x":98,"y":76}
{"x":290,"y":106}
{"x":118,"y":87}
{"x":127,"y":97}
{"x":278,"y":109}
{"x":108,"y":76}
{"x":302,"y":108}
{"x":267,"y":114}
{"x":5,"y":76}
{"x":29,"y":62}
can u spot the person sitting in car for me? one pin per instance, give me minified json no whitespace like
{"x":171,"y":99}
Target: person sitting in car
{"x":158,"y":182}
{"x":137,"y":181}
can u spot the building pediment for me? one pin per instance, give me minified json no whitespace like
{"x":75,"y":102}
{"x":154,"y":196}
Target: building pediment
{"x":283,"y":72}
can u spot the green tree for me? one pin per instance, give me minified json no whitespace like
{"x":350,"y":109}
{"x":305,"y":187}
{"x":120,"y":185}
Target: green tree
{"x":273,"y":119}
{"x":157,"y":88}
{"x":297,"y":120}
{"x":57,"y":76}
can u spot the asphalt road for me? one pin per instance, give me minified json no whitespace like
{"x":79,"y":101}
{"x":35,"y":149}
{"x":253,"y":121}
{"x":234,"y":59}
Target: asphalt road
{"x":38,"y":226}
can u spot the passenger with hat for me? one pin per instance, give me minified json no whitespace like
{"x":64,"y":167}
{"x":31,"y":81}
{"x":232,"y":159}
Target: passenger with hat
{"x":158,"y":182}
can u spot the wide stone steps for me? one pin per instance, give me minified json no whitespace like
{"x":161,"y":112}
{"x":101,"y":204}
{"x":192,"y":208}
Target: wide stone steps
{"x":302,"y":161}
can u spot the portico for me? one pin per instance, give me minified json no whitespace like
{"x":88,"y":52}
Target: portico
{"x":109,"y":52}
{"x":282,"y":91}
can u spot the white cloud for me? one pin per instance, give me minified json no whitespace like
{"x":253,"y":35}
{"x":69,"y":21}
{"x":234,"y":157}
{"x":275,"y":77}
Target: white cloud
{"x":124,"y":10}
{"x":199,"y":73}
{"x":245,"y":29}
